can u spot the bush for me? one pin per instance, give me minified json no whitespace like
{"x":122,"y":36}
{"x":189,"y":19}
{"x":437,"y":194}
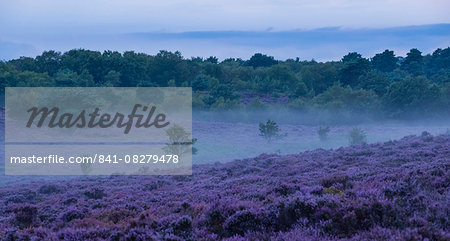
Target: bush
{"x":270,"y":131}
{"x":357,"y":136}
{"x":182,"y":227}
{"x":323,"y":133}
{"x":242,"y":222}
{"x":216,"y":216}
{"x":72,"y":214}
{"x":25,"y":215}
{"x":342,"y":180}
{"x":49,"y":189}
{"x":96,"y":193}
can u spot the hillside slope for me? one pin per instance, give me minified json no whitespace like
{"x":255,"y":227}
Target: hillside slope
{"x":398,"y":190}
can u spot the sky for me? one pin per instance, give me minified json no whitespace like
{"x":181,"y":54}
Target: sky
{"x":224,"y":28}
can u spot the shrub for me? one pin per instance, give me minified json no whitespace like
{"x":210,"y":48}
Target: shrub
{"x":270,"y":131}
{"x":342,"y":180}
{"x":357,"y":136}
{"x":49,"y":189}
{"x":25,"y":215}
{"x":291,"y":211}
{"x":179,"y":140}
{"x":242,"y":222}
{"x":216,"y":216}
{"x":182,"y":227}
{"x":72,"y":214}
{"x":96,"y":193}
{"x":323,"y":133}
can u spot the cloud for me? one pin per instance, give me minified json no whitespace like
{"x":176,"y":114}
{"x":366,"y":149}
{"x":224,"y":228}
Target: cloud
{"x":21,"y":17}
{"x":10,"y":50}
{"x":321,"y":44}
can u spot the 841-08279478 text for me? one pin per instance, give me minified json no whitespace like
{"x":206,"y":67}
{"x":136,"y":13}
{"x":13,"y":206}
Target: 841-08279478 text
{"x":96,"y":158}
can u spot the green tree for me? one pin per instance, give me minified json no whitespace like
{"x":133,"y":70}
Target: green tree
{"x":374,"y":80}
{"x":270,"y":131}
{"x":413,"y":63}
{"x":49,"y":61}
{"x":112,"y":79}
{"x":338,"y":98}
{"x":200,"y":83}
{"x":180,"y":141}
{"x":384,"y":62}
{"x":261,"y":60}
{"x":414,"y":95}
{"x":354,"y":67}
{"x":319,"y":76}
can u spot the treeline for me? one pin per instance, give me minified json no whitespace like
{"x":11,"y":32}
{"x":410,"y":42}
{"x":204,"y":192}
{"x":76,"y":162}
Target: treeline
{"x":384,"y":85}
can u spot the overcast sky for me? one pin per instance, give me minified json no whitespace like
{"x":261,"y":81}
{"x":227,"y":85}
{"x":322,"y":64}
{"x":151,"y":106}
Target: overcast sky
{"x":35,"y":25}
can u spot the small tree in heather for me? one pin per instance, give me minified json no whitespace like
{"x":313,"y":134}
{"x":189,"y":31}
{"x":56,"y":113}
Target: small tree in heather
{"x":270,"y":131}
{"x":323,"y":133}
{"x":180,"y":141}
{"x":357,"y":136}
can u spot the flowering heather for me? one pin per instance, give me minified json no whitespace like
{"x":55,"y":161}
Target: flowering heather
{"x":398,"y":190}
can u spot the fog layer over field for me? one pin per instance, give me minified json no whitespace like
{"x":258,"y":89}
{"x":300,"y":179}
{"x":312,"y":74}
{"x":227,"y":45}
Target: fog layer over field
{"x":224,"y":136}
{"x":234,"y":134}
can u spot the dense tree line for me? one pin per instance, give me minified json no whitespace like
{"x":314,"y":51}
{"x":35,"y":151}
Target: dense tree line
{"x":385,"y":84}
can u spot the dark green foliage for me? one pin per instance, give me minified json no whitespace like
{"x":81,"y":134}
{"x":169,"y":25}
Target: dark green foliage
{"x":270,"y":131}
{"x":261,"y":60}
{"x":414,"y":95}
{"x":201,"y":82}
{"x":376,"y":81}
{"x":387,"y":85}
{"x":384,"y":62}
{"x":339,"y":98}
{"x":319,"y":76}
{"x":354,"y":67}
{"x":413,"y":63}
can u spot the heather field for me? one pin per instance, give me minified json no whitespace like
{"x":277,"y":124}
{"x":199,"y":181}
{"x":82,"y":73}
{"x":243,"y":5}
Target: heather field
{"x":396,"y":190}
{"x":182,"y":120}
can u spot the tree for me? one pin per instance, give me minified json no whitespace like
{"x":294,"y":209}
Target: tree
{"x":223,"y":90}
{"x":180,"y":141}
{"x":384,"y":62}
{"x":323,"y":133}
{"x":24,"y":64}
{"x":338,"y":98}
{"x":357,"y":136}
{"x":112,"y":79}
{"x":413,"y":63}
{"x":79,"y":60}
{"x":49,"y":61}
{"x":212,"y":59}
{"x":200,"y":83}
{"x":374,"y":80}
{"x":270,"y":131}
{"x":319,"y":76}
{"x":437,"y":68}
{"x":354,"y":67}
{"x":261,"y":60}
{"x":414,"y":95}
